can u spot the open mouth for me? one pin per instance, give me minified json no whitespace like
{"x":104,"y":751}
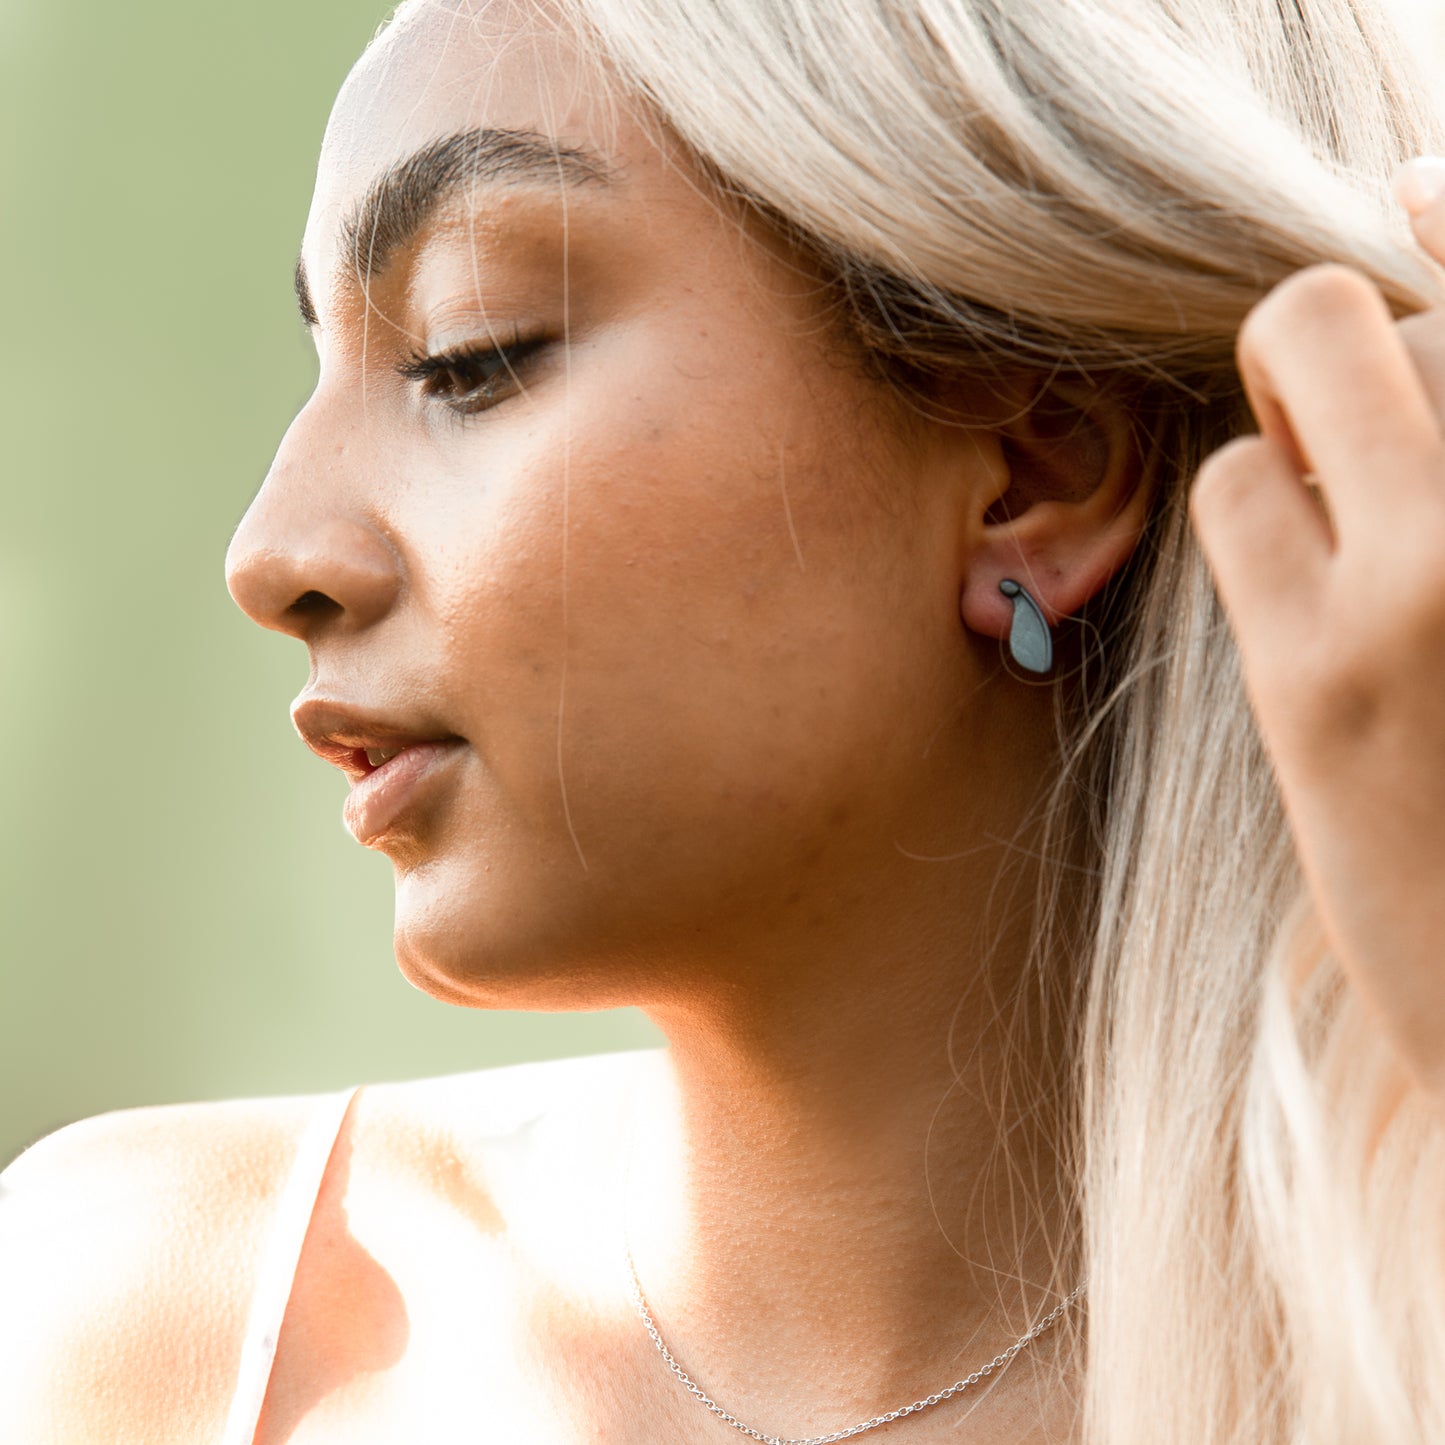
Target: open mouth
{"x":373,"y":758}
{"x":383,"y":792}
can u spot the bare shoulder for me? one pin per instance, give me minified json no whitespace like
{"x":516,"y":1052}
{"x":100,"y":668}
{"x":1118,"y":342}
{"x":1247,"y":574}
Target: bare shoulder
{"x":127,"y":1248}
{"x":507,"y":1143}
{"x":498,"y":1103}
{"x":130,"y":1242}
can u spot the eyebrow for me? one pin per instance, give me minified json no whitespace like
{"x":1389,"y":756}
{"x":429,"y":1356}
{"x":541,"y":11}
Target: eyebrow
{"x":401,"y":200}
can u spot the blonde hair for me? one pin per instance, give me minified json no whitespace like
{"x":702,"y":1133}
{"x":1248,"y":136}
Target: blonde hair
{"x":1107,"y":186}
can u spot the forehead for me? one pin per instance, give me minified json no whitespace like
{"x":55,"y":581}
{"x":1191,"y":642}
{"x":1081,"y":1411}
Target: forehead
{"x":445,"y":68}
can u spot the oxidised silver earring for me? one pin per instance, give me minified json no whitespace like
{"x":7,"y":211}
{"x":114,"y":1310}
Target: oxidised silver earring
{"x":1029,"y":639}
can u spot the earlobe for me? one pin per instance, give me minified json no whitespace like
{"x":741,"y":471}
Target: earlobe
{"x":1070,"y":515}
{"x":1030,"y":639}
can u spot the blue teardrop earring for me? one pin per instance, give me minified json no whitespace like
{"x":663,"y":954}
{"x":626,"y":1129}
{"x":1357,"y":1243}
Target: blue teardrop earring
{"x":1030,"y":642}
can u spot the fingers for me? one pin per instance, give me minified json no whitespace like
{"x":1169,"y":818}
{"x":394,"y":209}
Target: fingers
{"x":1336,"y":389}
{"x":1345,"y":393}
{"x":1420,"y":188}
{"x":1424,"y":339}
{"x":1265,"y":539}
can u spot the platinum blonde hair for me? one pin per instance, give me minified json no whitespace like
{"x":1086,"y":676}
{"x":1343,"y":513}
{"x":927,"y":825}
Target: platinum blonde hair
{"x":1107,"y":186}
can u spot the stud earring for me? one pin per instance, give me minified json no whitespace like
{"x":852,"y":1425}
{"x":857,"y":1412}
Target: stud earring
{"x":1029,"y":640}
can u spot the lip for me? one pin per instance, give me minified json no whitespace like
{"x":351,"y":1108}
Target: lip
{"x":377,"y":800}
{"x":342,"y":734}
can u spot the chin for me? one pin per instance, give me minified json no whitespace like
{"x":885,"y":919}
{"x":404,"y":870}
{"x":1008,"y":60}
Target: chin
{"x":457,"y":939}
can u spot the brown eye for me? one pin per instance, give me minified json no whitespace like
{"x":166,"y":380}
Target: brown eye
{"x":470,"y":379}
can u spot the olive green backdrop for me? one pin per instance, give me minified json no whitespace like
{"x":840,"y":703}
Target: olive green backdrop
{"x":181,"y":913}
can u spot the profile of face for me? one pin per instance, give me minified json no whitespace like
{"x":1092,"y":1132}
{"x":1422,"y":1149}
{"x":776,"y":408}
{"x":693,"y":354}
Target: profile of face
{"x":591,"y":492}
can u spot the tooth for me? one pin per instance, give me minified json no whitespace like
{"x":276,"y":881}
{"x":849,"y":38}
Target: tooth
{"x":377,"y":756}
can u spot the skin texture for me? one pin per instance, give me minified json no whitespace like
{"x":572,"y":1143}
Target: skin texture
{"x":717,"y":618}
{"x":1337,"y":596}
{"x":692,"y":658}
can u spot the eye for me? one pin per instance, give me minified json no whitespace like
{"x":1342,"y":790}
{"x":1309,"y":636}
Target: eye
{"x":471,"y":378}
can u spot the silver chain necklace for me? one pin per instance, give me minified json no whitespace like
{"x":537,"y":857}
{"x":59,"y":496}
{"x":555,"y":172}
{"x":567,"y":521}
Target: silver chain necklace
{"x":957,"y":1388}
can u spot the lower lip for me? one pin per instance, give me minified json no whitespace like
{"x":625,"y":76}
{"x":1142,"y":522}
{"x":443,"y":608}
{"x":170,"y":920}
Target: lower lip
{"x":376,"y":802}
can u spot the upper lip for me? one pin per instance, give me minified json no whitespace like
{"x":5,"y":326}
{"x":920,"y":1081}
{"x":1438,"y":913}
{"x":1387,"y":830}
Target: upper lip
{"x":342,"y":733}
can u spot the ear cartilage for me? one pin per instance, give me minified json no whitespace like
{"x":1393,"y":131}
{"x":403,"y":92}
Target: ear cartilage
{"x":1029,"y":640}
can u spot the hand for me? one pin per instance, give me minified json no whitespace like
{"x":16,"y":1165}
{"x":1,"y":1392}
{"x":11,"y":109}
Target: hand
{"x":1337,"y":599}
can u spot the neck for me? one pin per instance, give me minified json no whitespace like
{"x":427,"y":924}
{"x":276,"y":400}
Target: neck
{"x":846,"y":1188}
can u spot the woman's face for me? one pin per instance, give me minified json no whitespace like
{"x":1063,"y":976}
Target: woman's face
{"x":677,"y":580}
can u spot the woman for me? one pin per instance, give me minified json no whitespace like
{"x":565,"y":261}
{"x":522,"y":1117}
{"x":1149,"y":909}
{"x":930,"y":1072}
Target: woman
{"x":756,"y":534}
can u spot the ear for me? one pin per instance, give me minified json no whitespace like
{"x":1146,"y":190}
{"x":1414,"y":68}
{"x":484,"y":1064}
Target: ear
{"x":1065,"y":510}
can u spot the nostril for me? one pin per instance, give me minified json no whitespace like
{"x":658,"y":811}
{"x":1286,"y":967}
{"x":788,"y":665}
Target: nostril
{"x":306,"y":574}
{"x":313,"y":605}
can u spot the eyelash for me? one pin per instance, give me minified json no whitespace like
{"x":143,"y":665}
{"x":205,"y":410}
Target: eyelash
{"x":465,"y":378}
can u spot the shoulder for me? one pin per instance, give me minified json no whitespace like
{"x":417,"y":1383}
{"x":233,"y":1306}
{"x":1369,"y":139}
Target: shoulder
{"x":127,"y":1244}
{"x":499,"y":1103}
{"x":490,"y":1119}
{"x":521,"y":1153}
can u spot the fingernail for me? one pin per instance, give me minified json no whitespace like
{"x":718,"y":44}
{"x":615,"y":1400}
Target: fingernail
{"x":1419,"y":183}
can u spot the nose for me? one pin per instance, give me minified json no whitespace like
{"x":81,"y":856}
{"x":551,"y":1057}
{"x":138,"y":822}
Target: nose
{"x":303,"y":561}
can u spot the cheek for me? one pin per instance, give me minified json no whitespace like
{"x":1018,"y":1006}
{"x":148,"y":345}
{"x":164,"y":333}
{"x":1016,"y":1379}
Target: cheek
{"x":693,"y":685}
{"x":719,"y":564}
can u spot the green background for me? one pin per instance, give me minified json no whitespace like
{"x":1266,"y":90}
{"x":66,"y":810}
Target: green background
{"x":181,"y":913}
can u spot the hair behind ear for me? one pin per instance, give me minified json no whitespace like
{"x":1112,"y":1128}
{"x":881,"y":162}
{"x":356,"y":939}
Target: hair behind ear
{"x":1107,"y":188}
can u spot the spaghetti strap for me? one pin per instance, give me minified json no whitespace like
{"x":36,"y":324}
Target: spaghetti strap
{"x":278,"y":1265}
